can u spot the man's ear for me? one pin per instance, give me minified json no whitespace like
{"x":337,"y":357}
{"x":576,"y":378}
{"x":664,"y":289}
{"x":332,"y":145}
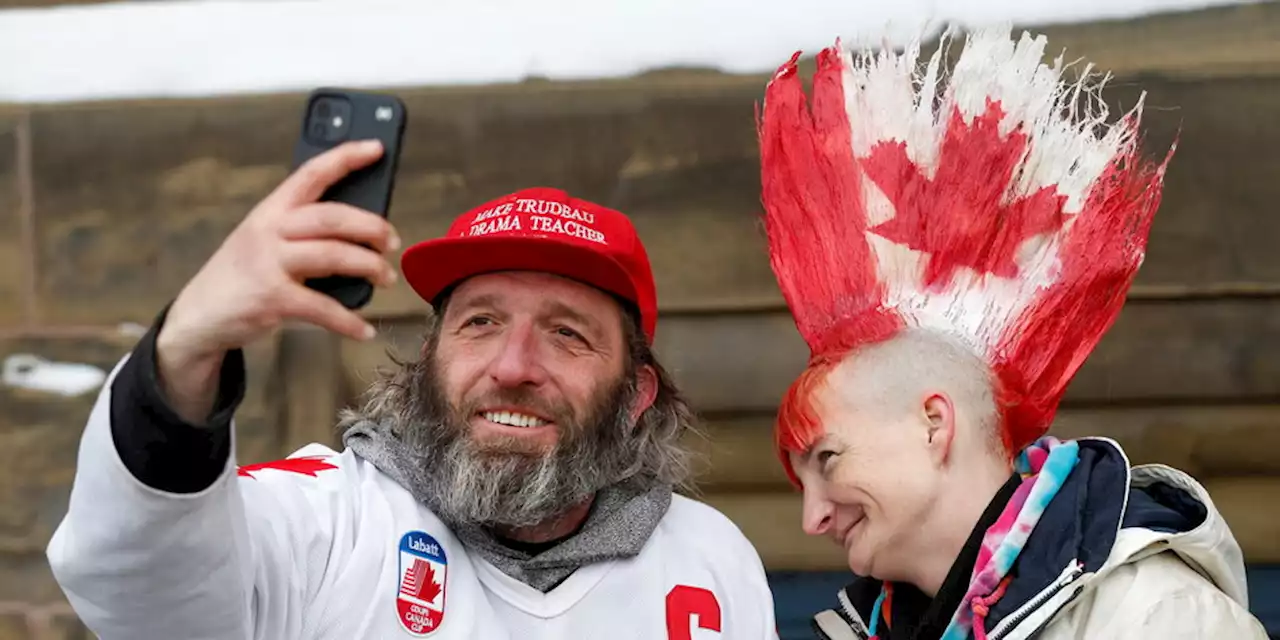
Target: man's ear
{"x":939,"y":413}
{"x":646,"y":391}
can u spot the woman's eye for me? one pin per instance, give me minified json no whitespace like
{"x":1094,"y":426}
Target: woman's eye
{"x":824,"y":457}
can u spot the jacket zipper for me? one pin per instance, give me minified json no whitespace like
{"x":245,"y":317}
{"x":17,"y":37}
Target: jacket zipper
{"x":852,"y":614}
{"x":1069,"y":575}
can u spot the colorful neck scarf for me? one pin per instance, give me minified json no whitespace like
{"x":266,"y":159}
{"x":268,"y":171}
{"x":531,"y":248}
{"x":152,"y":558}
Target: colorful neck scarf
{"x":1044,"y":466}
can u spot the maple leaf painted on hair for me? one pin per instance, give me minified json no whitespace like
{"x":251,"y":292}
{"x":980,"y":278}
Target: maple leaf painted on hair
{"x":304,"y":465}
{"x":960,"y":216}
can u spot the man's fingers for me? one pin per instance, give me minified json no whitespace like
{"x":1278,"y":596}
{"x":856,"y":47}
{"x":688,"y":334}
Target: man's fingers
{"x":309,"y":182}
{"x":338,"y":221}
{"x":321,"y":258}
{"x":308,"y":305}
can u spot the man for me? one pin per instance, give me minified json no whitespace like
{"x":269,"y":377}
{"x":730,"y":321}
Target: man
{"x":515,"y":481}
{"x":951,"y":250}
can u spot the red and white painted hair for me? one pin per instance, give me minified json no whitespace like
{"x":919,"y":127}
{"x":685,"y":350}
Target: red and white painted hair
{"x":993,"y":203}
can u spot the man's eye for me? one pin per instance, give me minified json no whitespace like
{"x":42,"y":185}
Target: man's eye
{"x":569,"y":333}
{"x":476,"y":321}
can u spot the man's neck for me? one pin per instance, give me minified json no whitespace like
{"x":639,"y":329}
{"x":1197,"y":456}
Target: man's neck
{"x":958,"y":514}
{"x":555,"y":528}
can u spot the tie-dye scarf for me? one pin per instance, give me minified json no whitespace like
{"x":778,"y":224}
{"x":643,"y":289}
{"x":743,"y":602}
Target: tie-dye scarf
{"x":1044,"y":466}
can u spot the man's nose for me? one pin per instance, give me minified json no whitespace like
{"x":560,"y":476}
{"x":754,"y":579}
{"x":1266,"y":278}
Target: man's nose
{"x":518,"y":360}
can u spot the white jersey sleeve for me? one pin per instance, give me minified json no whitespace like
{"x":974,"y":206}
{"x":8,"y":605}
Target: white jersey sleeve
{"x":228,"y":562}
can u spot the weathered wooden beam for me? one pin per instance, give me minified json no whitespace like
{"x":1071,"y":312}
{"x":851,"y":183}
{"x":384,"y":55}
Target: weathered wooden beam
{"x":1247,"y":504}
{"x":772,"y":522}
{"x":309,"y":381}
{"x":1156,"y":351}
{"x":40,"y":431}
{"x":1243,"y":39}
{"x":27,"y":578}
{"x":1204,"y":441}
{"x":132,"y":197}
{"x":14,"y":270}
{"x":128,"y":213}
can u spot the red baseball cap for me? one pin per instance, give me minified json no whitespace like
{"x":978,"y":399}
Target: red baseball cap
{"x":539,"y":229}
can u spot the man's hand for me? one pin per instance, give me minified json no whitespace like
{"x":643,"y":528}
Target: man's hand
{"x":255,"y":280}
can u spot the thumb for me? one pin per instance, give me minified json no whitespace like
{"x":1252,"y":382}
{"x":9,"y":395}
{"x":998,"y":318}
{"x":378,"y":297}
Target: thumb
{"x":310,"y":181}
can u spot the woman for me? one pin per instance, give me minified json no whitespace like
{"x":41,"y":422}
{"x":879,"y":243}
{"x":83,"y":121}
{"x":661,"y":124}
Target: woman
{"x":951,"y":250}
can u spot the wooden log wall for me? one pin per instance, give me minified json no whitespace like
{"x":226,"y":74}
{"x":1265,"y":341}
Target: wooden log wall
{"x":106,"y":210}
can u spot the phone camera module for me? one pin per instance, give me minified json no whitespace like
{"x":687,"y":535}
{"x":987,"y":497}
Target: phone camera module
{"x":329,"y":120}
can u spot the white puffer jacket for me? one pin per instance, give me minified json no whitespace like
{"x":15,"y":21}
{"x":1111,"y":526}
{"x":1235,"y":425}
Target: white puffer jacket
{"x":1156,"y":584}
{"x":1148,"y":556}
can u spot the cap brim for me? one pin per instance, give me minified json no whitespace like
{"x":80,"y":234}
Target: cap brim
{"x":432,"y":266}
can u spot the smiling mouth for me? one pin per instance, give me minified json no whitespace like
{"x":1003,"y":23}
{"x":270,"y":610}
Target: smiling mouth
{"x":843,"y":538}
{"x":516,"y":419}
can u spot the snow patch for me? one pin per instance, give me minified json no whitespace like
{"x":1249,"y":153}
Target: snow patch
{"x":69,"y":379}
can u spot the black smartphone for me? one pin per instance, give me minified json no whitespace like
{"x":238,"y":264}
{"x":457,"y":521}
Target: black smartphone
{"x":334,"y":116}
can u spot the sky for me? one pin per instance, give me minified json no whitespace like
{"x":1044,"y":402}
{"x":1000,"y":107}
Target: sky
{"x":217,"y":47}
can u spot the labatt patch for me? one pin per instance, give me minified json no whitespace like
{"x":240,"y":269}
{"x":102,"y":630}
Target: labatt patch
{"x":420,"y":598}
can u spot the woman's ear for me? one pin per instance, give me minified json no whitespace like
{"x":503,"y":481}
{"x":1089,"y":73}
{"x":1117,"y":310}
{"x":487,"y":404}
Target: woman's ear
{"x":939,"y":414}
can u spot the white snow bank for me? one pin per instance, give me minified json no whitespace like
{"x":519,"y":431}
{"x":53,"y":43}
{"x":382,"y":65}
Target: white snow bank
{"x":195,"y":48}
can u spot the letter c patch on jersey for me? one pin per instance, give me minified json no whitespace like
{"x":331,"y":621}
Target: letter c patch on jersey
{"x":421,"y":586}
{"x":685,"y":602}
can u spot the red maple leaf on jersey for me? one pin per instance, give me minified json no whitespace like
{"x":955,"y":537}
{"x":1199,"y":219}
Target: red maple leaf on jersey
{"x":960,"y":217}
{"x":430,"y":588}
{"x":305,"y":465}
{"x":420,"y":581}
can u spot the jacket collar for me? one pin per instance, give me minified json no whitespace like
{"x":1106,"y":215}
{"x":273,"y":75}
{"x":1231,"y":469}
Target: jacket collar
{"x":1161,"y":509}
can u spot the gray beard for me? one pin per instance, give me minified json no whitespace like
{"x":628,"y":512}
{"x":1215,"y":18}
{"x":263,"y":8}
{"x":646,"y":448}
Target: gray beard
{"x":408,"y":431}
{"x":501,"y":482}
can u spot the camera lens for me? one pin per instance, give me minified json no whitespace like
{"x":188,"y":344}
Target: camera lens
{"x":328,"y":120}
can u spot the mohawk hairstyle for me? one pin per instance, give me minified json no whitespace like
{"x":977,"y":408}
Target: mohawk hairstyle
{"x":994,"y":204}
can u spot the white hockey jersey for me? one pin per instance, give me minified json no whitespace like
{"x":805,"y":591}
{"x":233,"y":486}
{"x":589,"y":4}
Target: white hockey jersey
{"x":322,"y":545}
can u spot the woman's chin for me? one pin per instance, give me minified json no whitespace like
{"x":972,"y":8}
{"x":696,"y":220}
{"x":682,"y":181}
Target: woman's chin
{"x":858,"y":551}
{"x":859,"y":564}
